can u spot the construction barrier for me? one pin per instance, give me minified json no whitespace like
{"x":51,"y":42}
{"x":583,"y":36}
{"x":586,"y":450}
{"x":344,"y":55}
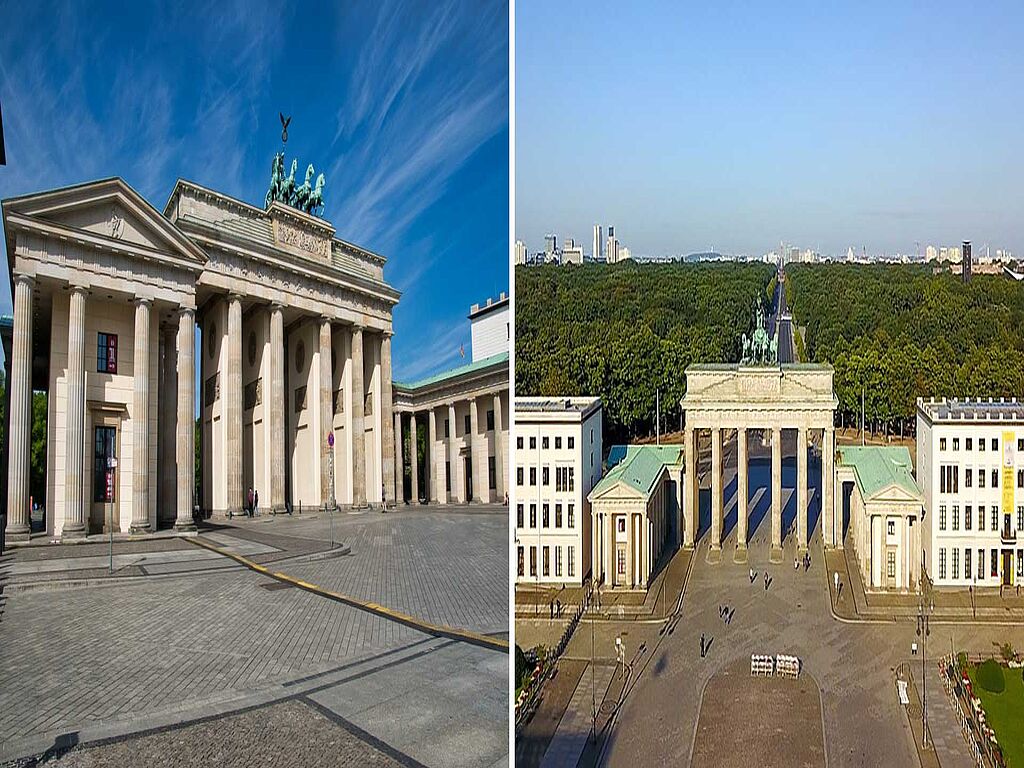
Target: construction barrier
{"x":787,"y":666}
{"x":762,"y":666}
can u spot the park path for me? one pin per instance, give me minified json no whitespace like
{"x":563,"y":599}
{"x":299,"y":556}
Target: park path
{"x":573,"y":731}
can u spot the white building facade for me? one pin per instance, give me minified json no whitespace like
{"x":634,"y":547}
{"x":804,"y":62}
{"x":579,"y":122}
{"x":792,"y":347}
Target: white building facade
{"x":970,"y":466}
{"x":490,"y":332}
{"x":557,"y":462}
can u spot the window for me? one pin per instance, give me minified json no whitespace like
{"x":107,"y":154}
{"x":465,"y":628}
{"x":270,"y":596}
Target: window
{"x":572,"y":483}
{"x":519,"y":517}
{"x":519,"y":475}
{"x":104,"y":478}
{"x":492,"y":475}
{"x":571,"y":442}
{"x":890,"y":564}
{"x":533,"y":515}
{"x":467,"y":425}
{"x":558,"y":515}
{"x":1020,"y":444}
{"x":544,"y":442}
{"x":1020,"y":563}
{"x":533,"y":443}
{"x":547,"y":561}
{"x":955,"y":571}
{"x":968,"y":513}
{"x":546,"y":515}
{"x":956,"y":517}
{"x":968,"y":474}
{"x":942,"y":443}
{"x":621,"y":524}
{"x":968,"y":443}
{"x":519,"y":440}
{"x":994,"y":561}
{"x":1020,"y":478}
{"x":967,"y":565}
{"x":956,"y":443}
{"x":519,"y":569}
{"x":621,"y":562}
{"x":995,"y":478}
{"x":533,"y":561}
{"x":558,"y":443}
{"x":981,"y":443}
{"x":981,"y":478}
{"x":106,"y":353}
{"x":1020,"y":518}
{"x":942,"y":517}
{"x":490,"y":421}
{"x":995,"y":518}
{"x":949,"y":478}
{"x":558,"y":562}
{"x":995,"y":444}
{"x":533,"y":475}
{"x":892,"y":526}
{"x":572,"y":517}
{"x":545,"y":476}
{"x":572,"y":561}
{"x":981,"y":564}
{"x":981,"y":517}
{"x":942,"y":563}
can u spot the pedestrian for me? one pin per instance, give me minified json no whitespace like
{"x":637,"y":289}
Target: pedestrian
{"x":255,"y":501}
{"x":752,"y":575}
{"x":248,"y":502}
{"x":731,"y":614}
{"x":702,"y":645}
{"x":766,"y":581}
{"x":835,"y":581}
{"x":796,"y":564}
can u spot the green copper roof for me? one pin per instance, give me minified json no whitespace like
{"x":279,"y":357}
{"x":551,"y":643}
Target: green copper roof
{"x":455,"y":373}
{"x":879,"y":466}
{"x":638,"y":466}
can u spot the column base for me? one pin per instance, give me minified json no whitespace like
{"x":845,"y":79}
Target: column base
{"x":70,"y":534}
{"x":18,"y":535}
{"x":184,"y":527}
{"x":139,"y":530}
{"x":714,"y":555}
{"x":776,"y":554}
{"x":740,"y":555}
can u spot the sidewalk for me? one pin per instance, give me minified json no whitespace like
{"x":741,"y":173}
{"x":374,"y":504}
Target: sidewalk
{"x":854,"y":603}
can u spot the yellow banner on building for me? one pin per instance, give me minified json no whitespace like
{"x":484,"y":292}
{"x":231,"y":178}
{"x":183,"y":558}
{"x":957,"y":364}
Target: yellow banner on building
{"x":1009,"y":448}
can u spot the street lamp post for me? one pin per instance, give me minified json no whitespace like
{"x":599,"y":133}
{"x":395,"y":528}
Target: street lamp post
{"x":923,"y":630}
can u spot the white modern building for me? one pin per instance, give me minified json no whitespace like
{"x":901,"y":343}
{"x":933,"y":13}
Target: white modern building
{"x":557,"y":463}
{"x":490,"y":331}
{"x":970,"y":466}
{"x":520,"y":254}
{"x":596,"y":254}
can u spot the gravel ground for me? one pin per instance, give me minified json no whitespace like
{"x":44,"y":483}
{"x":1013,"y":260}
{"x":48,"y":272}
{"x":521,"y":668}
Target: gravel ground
{"x":290,"y":733}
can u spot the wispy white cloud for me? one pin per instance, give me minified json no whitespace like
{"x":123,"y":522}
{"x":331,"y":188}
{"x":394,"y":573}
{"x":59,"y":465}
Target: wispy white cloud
{"x":441,"y":352}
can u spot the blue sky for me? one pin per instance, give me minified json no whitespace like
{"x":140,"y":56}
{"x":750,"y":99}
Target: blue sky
{"x":404,"y":106}
{"x":738,"y":125}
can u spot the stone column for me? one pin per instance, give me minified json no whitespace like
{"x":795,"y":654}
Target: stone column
{"x":74,"y":497}
{"x":399,"y":464}
{"x":326,"y":414}
{"x":801,"y":488}
{"x":691,"y":511}
{"x":776,"y":494}
{"x":831,"y":526}
{"x":233,"y":408}
{"x":453,"y":456}
{"x":414,"y":459}
{"x":386,"y":405}
{"x":185,"y":433}
{"x":741,"y":488}
{"x":499,"y":450}
{"x":358,"y":433}
{"x":168,"y":404}
{"x":430,"y":459}
{"x":276,"y":405}
{"x":716,"y":488}
{"x":20,"y":428}
{"x":140,"y":420}
{"x":479,"y":474}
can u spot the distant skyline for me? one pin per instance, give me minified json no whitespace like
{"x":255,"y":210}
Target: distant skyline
{"x":403,"y":106}
{"x":738,"y":126}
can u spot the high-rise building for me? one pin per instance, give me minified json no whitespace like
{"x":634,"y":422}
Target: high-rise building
{"x":597,"y":242}
{"x":572,"y":254}
{"x":611,"y":249}
{"x":520,"y":256}
{"x":931,"y":253}
{"x":966,"y":257}
{"x":550,"y":246}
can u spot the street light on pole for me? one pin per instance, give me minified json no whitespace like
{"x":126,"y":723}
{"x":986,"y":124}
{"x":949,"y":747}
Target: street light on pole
{"x":923,"y":630}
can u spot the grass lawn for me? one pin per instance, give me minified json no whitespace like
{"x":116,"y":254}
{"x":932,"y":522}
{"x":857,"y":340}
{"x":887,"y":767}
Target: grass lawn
{"x":1005,"y":714}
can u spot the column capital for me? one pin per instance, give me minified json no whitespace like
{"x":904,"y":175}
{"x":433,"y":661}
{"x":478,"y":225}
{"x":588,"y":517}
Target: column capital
{"x":186,"y":312}
{"x":145,"y":301}
{"x":276,"y":306}
{"x":234,"y":296}
{"x":24,"y":279}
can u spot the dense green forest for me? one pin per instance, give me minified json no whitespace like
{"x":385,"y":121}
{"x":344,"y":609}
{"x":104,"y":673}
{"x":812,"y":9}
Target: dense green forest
{"x":625,"y":331}
{"x":898,"y":332}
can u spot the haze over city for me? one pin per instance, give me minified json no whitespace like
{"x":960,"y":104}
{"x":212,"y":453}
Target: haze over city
{"x":865,"y":126}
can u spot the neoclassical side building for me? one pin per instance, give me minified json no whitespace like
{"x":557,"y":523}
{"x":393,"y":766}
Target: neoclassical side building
{"x":125,"y":316}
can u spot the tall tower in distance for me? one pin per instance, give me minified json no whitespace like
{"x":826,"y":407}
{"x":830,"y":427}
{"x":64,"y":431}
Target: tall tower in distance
{"x":597,"y":242}
{"x":965,"y":255}
{"x":611,"y":250}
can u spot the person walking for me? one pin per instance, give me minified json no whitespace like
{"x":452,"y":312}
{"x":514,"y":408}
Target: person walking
{"x":248,"y":503}
{"x":835,"y":581}
{"x":702,"y":645}
{"x":255,"y":502}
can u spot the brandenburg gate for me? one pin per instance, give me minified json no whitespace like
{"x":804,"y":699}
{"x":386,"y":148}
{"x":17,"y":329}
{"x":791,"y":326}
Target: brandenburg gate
{"x":728,"y":401}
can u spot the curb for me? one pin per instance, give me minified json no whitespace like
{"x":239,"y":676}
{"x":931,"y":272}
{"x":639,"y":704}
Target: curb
{"x":437,"y":630}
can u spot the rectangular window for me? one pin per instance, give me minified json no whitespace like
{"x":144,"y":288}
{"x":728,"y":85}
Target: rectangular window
{"x":533,"y":515}
{"x":544,"y":442}
{"x":942,"y":517}
{"x":621,"y":561}
{"x":572,"y":482}
{"x":492,"y":475}
{"x":1020,"y":518}
{"x":956,"y":443}
{"x":968,"y":444}
{"x":955,"y":571}
{"x":547,"y":561}
{"x":558,"y":515}
{"x":621,"y":524}
{"x":968,"y":517}
{"x":106,"y":353}
{"x":981,"y":565}
{"x":572,"y":516}
{"x":981,"y":478}
{"x":891,"y":525}
{"x":545,"y":476}
{"x":995,"y":518}
{"x":942,"y":562}
{"x":1020,"y":444}
{"x":490,"y":421}
{"x":533,"y":561}
{"x":546,"y":515}
{"x":995,"y":562}
{"x":981,"y":443}
{"x":533,"y":475}
{"x":967,"y":565}
{"x":981,"y":517}
{"x":942,"y":443}
{"x":1020,"y":563}
{"x":1020,"y":478}
{"x":558,"y":562}
{"x":956,"y":517}
{"x":890,"y":564}
{"x":519,"y":440}
{"x":558,"y":443}
{"x":995,"y":444}
{"x":519,"y":475}
{"x":104,"y":476}
{"x":519,"y":570}
{"x":572,"y":561}
{"x":533,"y":443}
{"x":519,"y":515}
{"x":571,"y":441}
{"x":995,"y":478}
{"x":967,"y":477}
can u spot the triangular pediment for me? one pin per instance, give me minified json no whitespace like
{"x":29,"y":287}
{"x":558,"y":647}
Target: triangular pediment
{"x":616,"y":490}
{"x":108,"y":210}
{"x":895,"y":493}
